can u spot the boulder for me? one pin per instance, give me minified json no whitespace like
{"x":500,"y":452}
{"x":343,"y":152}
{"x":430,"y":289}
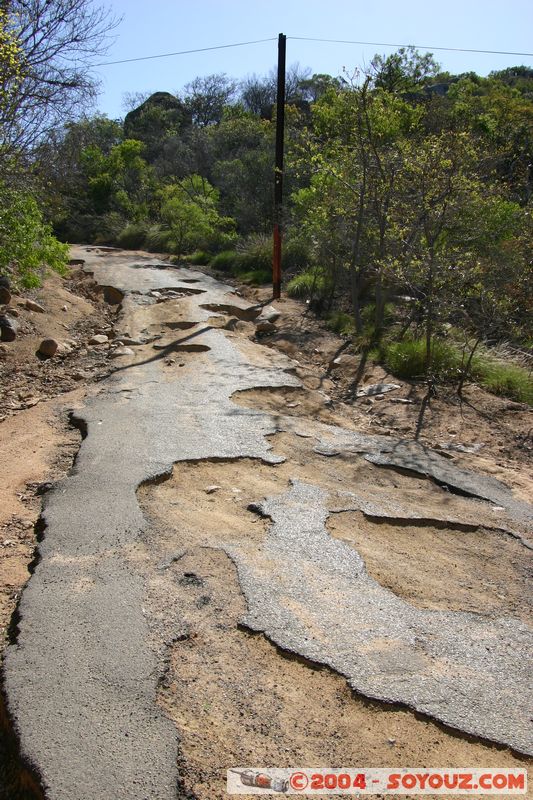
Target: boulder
{"x":8,"y":329}
{"x":48,"y":348}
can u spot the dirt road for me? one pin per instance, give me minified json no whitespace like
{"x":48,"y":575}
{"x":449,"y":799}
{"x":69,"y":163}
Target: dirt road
{"x":235,"y":574}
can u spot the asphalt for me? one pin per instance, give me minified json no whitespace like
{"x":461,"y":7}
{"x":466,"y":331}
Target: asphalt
{"x":82,"y":676}
{"x":311,"y":595}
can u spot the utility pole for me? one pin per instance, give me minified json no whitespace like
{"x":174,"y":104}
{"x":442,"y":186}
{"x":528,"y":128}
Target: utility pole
{"x":278,"y":172}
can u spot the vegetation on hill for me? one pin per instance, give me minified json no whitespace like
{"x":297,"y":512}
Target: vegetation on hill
{"x":408,"y":190}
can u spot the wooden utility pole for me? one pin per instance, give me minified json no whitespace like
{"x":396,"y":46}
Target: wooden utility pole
{"x":278,"y":172}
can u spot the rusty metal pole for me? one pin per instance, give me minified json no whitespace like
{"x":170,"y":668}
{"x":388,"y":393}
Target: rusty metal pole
{"x":278,"y":172}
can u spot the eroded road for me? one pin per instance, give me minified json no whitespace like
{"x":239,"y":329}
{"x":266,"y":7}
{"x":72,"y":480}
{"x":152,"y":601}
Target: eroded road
{"x":179,"y":482}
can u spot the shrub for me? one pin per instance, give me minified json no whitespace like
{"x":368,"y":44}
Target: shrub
{"x":407,"y":359}
{"x":133,"y":236}
{"x":505,"y":379}
{"x":158,"y":240}
{"x":224,"y":261}
{"x":27,"y":246}
{"x":200,"y":258}
{"x":256,"y":277}
{"x":311,"y":283}
{"x":342,"y":323}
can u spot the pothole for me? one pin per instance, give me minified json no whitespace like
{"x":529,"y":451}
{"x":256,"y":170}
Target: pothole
{"x":247,"y":314}
{"x":442,"y":568}
{"x":237,"y":700}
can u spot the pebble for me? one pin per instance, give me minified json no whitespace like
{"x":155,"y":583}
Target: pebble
{"x":211,"y":489}
{"x":48,"y":347}
{"x":99,"y":338}
{"x":31,"y":305}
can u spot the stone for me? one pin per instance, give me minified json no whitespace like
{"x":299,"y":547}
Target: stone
{"x":122,"y":351}
{"x":264,"y":326}
{"x":5,"y":295}
{"x":211,"y":489}
{"x":48,"y":347}
{"x":345,"y":360}
{"x":270,"y":314}
{"x":376,"y":389}
{"x":64,"y":308}
{"x":12,"y":312}
{"x":99,"y":338}
{"x":31,"y":305}
{"x":8,"y":329}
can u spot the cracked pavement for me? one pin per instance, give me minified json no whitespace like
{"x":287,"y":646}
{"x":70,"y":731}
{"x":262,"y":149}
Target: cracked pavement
{"x":81,"y":678}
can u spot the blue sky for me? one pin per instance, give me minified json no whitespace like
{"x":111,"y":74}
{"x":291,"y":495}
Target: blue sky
{"x":162,"y":26}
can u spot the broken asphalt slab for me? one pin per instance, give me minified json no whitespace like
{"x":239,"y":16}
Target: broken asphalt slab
{"x":311,"y":595}
{"x":82,"y":676}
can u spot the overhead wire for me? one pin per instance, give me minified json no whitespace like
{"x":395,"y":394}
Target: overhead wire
{"x":185,"y":52}
{"x":311,"y":39}
{"x":417,"y":46}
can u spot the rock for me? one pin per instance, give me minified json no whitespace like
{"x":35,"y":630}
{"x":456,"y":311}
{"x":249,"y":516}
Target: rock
{"x":64,"y":308}
{"x":127,"y":340}
{"x":3,"y":350}
{"x":12,"y":312}
{"x":79,"y":376}
{"x":211,"y":489}
{"x":402,"y":400}
{"x":264,"y":326}
{"x":270,"y":314}
{"x":377,"y":389}
{"x":4,"y":281}
{"x":345,"y":360}
{"x":31,"y":305}
{"x":48,"y":347}
{"x":99,"y":338}
{"x":5,"y":295}
{"x":8,"y":329}
{"x":122,"y":351}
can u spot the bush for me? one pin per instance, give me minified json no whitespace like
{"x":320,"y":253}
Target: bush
{"x":200,"y":258}
{"x":508,"y":380}
{"x":342,"y":323}
{"x":133,"y":237}
{"x":256,"y":277}
{"x":158,"y":240}
{"x":311,"y":283}
{"x":27,"y":246}
{"x":407,"y":359}
{"x":224,"y":261}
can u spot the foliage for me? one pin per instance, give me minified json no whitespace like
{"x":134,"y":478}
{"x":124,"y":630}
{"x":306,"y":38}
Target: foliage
{"x":27,"y":246}
{"x":313,"y":282}
{"x":189,"y":211}
{"x":56,"y":42}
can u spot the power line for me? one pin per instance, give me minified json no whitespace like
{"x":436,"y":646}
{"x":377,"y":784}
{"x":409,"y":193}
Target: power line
{"x":184,"y":52}
{"x":310,"y":39}
{"x":418,"y":46}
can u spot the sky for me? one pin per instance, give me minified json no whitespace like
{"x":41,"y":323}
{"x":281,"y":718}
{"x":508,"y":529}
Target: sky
{"x":150,"y":27}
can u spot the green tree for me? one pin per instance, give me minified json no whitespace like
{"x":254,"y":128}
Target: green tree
{"x":27,"y":246}
{"x":189,"y":212}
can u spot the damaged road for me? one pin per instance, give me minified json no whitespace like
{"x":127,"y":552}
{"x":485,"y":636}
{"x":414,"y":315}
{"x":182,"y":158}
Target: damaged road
{"x":99,"y":623}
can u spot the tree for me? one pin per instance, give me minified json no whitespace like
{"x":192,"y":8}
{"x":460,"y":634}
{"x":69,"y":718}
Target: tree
{"x":206,"y":98}
{"x":58,"y":41}
{"x":27,"y":246}
{"x":189,"y":210}
{"x":404,"y":71}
